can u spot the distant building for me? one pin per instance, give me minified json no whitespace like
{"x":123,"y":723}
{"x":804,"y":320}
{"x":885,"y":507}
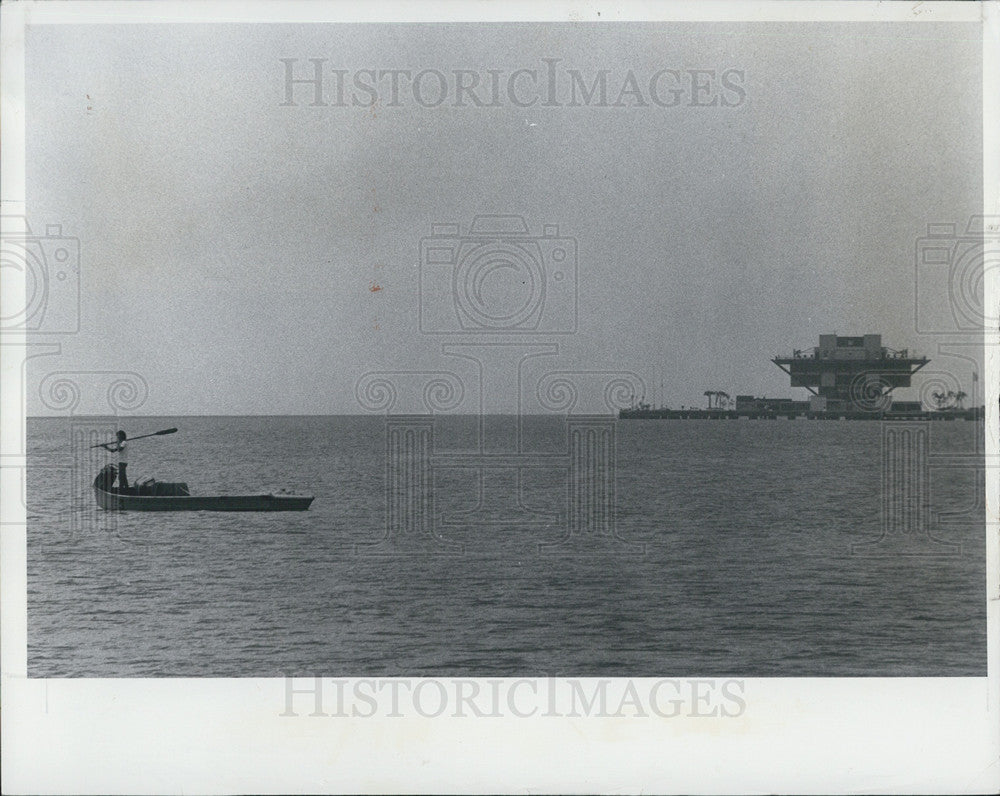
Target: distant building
{"x":748,"y":403}
{"x":851,"y":372}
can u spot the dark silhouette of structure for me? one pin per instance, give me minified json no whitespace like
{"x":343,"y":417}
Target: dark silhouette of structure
{"x":851,"y":373}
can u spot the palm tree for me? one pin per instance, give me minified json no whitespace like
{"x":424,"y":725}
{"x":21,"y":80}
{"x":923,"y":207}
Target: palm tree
{"x":941,"y":399}
{"x":959,"y":398}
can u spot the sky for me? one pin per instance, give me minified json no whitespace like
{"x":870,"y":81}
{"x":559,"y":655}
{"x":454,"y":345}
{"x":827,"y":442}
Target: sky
{"x":230,"y":242}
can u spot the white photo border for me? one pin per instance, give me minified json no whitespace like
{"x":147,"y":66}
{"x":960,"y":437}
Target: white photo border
{"x":807,"y":735}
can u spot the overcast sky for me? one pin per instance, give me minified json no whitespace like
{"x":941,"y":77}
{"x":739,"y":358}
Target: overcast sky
{"x":229,"y":243}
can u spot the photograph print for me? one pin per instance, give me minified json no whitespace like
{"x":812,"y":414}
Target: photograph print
{"x":504,"y":349}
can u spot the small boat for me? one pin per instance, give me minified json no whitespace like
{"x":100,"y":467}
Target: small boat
{"x":153,"y":495}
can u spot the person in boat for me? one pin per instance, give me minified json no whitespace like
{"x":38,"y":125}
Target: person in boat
{"x":119,"y":447}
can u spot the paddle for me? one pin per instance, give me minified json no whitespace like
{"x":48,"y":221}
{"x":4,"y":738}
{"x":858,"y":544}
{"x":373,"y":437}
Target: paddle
{"x":141,"y":436}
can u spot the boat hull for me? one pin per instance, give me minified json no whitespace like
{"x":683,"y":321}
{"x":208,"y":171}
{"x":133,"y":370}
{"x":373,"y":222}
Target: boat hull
{"x":112,"y":501}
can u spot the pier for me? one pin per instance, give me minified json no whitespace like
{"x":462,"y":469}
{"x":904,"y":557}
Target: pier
{"x":848,"y":378}
{"x":943,"y":415}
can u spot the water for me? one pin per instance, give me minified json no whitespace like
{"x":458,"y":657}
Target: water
{"x":733,"y":556}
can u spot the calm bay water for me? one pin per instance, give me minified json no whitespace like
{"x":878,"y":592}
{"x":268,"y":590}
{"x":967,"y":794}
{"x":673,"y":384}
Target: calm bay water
{"x":743,"y":548}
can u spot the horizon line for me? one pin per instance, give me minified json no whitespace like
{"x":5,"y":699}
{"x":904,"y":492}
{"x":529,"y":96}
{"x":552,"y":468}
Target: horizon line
{"x":326,"y":414}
